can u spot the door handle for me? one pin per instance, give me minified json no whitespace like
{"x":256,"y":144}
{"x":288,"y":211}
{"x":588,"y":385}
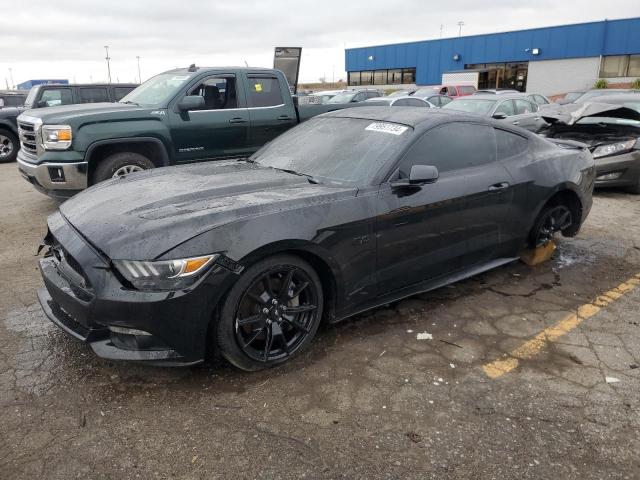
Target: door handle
{"x":498,"y":187}
{"x":516,"y":122}
{"x":284,"y":118}
{"x":237,"y":120}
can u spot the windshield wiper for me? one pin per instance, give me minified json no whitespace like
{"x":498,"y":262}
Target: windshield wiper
{"x":309,"y":177}
{"x":129,"y":102}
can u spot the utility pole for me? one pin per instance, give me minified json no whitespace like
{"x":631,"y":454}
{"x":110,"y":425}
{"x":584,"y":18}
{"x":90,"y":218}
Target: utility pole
{"x":139,"y":77}
{"x":107,"y":58}
{"x":460,"y":24}
{"x":13,"y":85}
{"x":441,"y":27}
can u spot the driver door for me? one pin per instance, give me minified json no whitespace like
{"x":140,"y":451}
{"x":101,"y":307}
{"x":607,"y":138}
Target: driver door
{"x":438,"y":229}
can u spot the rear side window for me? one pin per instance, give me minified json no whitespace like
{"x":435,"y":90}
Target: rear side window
{"x":509,"y":144}
{"x":120,"y":92}
{"x":467,"y":89}
{"x":52,"y":97}
{"x":451,"y":147}
{"x":93,"y":95}
{"x":264,"y":92}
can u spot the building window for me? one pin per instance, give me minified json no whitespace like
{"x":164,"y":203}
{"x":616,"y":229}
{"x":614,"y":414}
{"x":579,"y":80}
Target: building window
{"x":366,"y":78}
{"x":354,"y":78}
{"x":394,"y":76}
{"x":615,"y":66}
{"x":380,"y":77}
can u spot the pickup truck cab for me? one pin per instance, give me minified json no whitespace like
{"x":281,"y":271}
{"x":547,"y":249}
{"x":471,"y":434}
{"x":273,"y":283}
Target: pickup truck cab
{"x":49,"y":95}
{"x":179,"y":116}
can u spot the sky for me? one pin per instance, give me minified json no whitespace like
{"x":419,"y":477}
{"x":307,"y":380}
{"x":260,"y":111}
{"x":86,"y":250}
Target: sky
{"x":66,"y":38}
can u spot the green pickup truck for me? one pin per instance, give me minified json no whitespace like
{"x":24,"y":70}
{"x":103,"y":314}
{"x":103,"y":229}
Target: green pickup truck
{"x":180,"y":116}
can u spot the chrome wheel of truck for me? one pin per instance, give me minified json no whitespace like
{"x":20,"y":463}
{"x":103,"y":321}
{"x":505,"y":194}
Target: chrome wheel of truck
{"x":119,"y":165}
{"x":127,"y":169}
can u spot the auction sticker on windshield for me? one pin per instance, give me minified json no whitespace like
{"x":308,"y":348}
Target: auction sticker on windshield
{"x":392,"y":128}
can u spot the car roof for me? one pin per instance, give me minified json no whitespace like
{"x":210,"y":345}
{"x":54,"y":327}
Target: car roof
{"x":57,"y":85}
{"x":410,"y":116}
{"x":619,"y":98}
{"x":492,"y":96}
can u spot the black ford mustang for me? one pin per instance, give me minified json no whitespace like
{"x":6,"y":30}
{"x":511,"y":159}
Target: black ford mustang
{"x":350,"y":210}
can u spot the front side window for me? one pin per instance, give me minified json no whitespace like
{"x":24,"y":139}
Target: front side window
{"x":343,"y":150}
{"x":120,"y":92}
{"x":264,"y":92}
{"x":219,"y":92}
{"x":93,"y":95}
{"x":449,"y":147}
{"x":53,"y":97}
{"x":524,"y":106}
{"x":507,"y":108}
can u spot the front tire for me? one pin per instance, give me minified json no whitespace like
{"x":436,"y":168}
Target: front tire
{"x":9,"y":146}
{"x":271,"y":313}
{"x":120,"y":164}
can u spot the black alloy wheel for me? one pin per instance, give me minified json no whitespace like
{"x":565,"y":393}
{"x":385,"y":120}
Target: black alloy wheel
{"x":277,"y":311}
{"x":553,"y":219}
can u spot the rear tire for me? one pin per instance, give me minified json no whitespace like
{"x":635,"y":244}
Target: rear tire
{"x":270,"y":314}
{"x":9,"y":146}
{"x":120,"y":164}
{"x":554,"y":217}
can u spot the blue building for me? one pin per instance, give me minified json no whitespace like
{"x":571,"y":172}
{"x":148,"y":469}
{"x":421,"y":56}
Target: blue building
{"x":30,"y":83}
{"x":549,"y":60}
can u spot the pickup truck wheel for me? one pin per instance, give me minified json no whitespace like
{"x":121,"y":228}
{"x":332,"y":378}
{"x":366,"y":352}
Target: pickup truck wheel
{"x":9,"y":146}
{"x":120,"y":164}
{"x":270,"y":314}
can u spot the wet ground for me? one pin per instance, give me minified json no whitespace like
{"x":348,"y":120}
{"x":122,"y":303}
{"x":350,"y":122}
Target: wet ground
{"x":369,"y":399}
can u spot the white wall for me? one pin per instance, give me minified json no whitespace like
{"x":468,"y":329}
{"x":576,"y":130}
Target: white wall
{"x":460,"y":78}
{"x":554,"y":77}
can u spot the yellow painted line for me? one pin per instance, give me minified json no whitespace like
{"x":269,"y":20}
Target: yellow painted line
{"x":497,"y":368}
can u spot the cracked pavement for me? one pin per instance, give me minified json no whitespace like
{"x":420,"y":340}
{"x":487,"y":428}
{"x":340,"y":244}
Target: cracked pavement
{"x":368,"y":400}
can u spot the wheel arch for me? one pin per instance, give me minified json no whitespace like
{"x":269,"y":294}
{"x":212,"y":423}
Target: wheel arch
{"x":566,"y":193}
{"x":5,"y":125}
{"x":151,"y":147}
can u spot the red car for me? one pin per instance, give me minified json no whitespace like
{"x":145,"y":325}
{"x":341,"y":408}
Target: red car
{"x":453,"y":91}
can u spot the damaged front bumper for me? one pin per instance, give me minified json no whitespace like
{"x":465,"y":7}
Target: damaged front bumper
{"x":84,"y":296}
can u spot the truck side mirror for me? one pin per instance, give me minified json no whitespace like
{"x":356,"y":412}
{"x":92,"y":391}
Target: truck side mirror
{"x":191,"y":102}
{"x":499,"y":115}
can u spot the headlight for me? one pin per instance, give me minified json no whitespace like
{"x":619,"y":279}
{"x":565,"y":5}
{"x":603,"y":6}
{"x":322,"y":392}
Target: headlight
{"x":164,"y":274}
{"x":56,"y":137}
{"x":613,"y":149}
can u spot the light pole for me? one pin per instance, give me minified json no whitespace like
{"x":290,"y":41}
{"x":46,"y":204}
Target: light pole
{"x":139,"y":77}
{"x":13,"y":85}
{"x":460,"y":24}
{"x":107,"y":58}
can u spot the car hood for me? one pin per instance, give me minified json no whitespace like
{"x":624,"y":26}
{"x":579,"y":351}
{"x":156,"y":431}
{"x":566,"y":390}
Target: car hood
{"x":147,"y":214}
{"x":571,"y":113}
{"x":67,"y":113}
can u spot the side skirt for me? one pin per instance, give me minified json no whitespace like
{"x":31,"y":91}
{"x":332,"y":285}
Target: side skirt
{"x":423,"y":287}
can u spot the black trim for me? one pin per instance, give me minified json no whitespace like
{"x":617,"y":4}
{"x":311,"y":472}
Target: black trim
{"x":124,"y":140}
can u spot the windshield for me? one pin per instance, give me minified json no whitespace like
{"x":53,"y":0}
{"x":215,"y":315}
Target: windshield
{"x":481,"y":107}
{"x":157,"y":90}
{"x":339,"y":150}
{"x":345,"y":97}
{"x":31,"y":96}
{"x":572,"y":96}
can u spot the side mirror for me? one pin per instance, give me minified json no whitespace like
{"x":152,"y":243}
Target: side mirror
{"x":41,"y":104}
{"x":353,"y":100}
{"x":421,"y":174}
{"x":191,"y":102}
{"x":499,"y":116}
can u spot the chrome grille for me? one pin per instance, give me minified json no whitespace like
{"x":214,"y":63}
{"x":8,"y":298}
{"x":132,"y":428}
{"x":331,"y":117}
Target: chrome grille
{"x":27,"y":133}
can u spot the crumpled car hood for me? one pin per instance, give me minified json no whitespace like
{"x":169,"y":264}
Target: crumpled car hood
{"x":571,"y":113}
{"x":146,"y":214}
